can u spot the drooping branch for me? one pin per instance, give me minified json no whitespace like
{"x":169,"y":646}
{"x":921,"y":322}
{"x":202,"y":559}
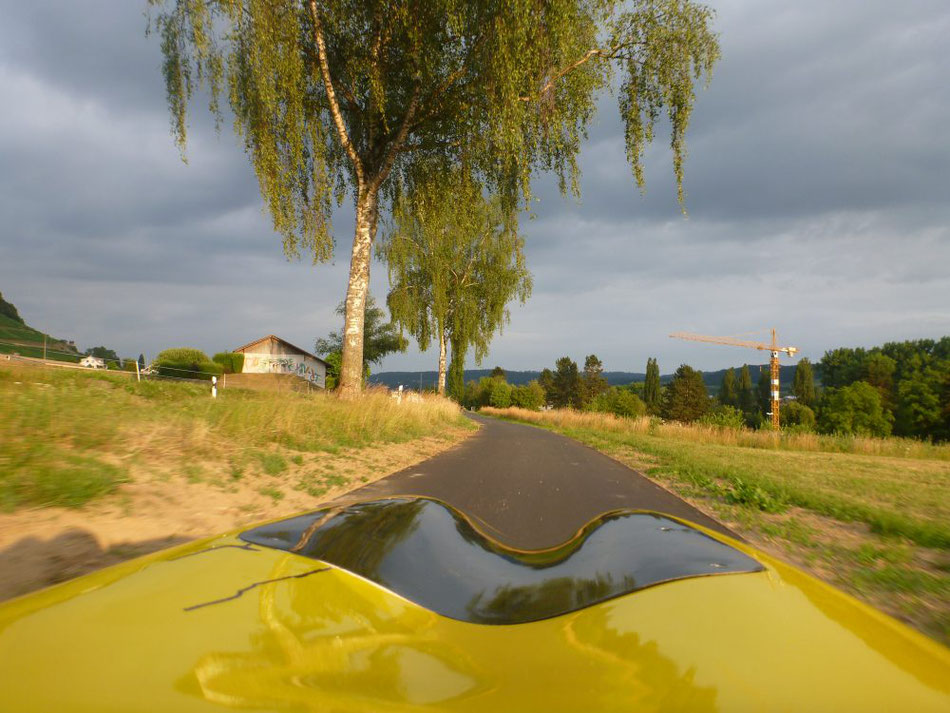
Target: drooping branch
{"x":331,"y":93}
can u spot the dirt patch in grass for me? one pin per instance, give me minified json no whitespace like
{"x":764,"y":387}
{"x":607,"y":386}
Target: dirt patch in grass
{"x":162,"y":507}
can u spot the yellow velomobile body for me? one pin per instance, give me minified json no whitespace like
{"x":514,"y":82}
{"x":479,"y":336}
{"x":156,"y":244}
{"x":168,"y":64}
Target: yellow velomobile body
{"x":323,"y":613}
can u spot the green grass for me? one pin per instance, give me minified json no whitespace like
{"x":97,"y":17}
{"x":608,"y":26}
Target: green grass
{"x":271,"y":463}
{"x":275,"y":494}
{"x":67,"y":436}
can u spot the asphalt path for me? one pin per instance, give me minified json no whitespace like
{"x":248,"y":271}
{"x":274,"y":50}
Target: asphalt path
{"x":530,"y":488}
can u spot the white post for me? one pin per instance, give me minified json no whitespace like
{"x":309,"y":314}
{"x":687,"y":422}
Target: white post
{"x":214,"y":387}
{"x":138,"y":375}
{"x":399,"y":400}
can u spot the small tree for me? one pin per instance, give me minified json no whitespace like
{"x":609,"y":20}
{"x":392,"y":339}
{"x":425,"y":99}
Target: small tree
{"x":594,"y":383}
{"x":797,"y":416}
{"x":803,"y":386}
{"x":651,"y":387}
{"x":728,"y":395}
{"x":747,"y":401}
{"x":530,"y":396}
{"x":567,"y":386}
{"x":618,"y":401}
{"x":724,"y":416}
{"x":546,"y":382}
{"x":500,"y":394}
{"x":686,"y":397}
{"x":455,"y":263}
{"x":382,"y":338}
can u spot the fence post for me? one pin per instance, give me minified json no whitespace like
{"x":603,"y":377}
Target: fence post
{"x":138,"y":375}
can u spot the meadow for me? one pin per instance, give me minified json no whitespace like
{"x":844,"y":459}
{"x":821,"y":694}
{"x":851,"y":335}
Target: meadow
{"x":871,"y":516}
{"x":68,"y":436}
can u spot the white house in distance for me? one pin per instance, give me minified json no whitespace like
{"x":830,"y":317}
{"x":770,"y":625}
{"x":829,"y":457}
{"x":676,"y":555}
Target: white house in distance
{"x":273,"y":355}
{"x":91,"y":362}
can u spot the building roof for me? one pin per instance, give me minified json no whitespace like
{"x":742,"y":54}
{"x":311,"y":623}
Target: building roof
{"x":282,"y":341}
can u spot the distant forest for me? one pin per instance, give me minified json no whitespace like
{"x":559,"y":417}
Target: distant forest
{"x":900,"y":388}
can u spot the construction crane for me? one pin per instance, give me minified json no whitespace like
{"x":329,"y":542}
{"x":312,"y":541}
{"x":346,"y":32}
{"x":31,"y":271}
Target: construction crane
{"x":774,"y":349}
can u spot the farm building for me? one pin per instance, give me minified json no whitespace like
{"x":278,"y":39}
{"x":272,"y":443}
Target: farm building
{"x":91,"y":362}
{"x":273,"y":355}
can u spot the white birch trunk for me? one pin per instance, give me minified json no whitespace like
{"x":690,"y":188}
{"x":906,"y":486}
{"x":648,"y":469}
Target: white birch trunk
{"x":351,"y":369}
{"x":442,"y":362}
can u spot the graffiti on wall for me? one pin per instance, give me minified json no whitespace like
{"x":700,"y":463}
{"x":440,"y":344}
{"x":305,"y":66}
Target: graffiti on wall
{"x":267,"y":364}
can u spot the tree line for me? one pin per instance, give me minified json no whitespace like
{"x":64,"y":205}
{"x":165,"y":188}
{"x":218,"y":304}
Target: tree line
{"x":901,"y":388}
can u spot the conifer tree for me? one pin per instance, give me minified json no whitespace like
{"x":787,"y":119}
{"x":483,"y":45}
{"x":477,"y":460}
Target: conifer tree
{"x":727,"y":392}
{"x":686,"y":398}
{"x":651,"y":387}
{"x":803,"y":385}
{"x":745,"y":392}
{"x":593,"y":380}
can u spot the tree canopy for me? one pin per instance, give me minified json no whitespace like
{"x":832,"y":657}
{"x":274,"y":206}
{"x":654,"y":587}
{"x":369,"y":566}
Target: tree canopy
{"x":454,"y":265}
{"x":686,"y":398}
{"x":336,"y":98}
{"x":382,"y":338}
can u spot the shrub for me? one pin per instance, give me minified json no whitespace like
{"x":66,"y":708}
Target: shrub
{"x":797,"y":416}
{"x":232,"y":362}
{"x":743,"y":493}
{"x":182,"y":354}
{"x":500,"y":394}
{"x":618,"y":401}
{"x":724,"y":417}
{"x":187,"y":363}
{"x":530,"y":396}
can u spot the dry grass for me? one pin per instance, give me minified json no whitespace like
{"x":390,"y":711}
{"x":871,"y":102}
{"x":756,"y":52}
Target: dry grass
{"x":744,"y":438}
{"x":69,"y":436}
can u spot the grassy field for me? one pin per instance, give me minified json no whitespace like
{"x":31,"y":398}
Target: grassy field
{"x":19,"y":338}
{"x":871,"y":516}
{"x":69,"y":436}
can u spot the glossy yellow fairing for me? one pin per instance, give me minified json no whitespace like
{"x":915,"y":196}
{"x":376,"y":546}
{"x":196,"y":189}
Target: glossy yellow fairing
{"x":216,"y":625}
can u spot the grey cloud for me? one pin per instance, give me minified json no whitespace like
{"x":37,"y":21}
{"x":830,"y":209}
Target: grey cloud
{"x":816,"y":186}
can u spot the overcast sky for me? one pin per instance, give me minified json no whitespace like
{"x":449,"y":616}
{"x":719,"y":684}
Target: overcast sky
{"x":818,"y":184}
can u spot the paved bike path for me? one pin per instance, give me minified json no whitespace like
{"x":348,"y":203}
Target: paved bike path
{"x":529,"y":487}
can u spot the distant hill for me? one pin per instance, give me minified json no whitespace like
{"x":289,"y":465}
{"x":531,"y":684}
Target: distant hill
{"x":428,"y":379}
{"x":19,"y":337}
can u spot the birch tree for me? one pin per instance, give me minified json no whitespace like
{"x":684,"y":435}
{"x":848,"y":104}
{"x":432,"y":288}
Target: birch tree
{"x":335,"y":99}
{"x":454,"y":265}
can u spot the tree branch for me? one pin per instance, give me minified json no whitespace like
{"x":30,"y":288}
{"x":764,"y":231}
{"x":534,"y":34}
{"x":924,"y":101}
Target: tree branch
{"x":398,"y":140}
{"x":610,"y":53}
{"x":331,"y":94}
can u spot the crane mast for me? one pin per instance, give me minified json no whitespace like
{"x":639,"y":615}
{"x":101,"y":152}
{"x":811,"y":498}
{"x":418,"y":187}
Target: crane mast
{"x":774,"y":350}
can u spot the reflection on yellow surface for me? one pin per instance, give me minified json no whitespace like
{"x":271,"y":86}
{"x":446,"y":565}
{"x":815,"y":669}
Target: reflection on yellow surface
{"x":348,"y":652}
{"x":363,"y":649}
{"x":297,"y":639}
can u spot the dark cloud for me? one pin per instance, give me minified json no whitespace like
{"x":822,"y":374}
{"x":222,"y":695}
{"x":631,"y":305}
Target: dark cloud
{"x":816,"y":181}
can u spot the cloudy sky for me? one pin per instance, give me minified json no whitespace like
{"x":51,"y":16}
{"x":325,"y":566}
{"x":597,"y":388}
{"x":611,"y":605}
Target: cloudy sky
{"x":818,"y":185}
